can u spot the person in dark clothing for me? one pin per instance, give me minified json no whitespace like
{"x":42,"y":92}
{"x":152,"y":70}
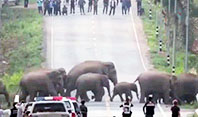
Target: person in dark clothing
{"x":83,"y":109}
{"x":127,"y":108}
{"x":72,"y":7}
{"x":58,"y":7}
{"x":112,"y":7}
{"x":150,"y":106}
{"x":46,"y":7}
{"x":106,"y":5}
{"x":128,"y":5}
{"x":64,"y":11}
{"x":124,"y":7}
{"x":95,"y":4}
{"x":81,"y":3}
{"x":54,"y":4}
{"x":14,"y":110}
{"x":26,"y":2}
{"x":175,"y":109}
{"x":139,"y":7}
{"x":90,"y":5}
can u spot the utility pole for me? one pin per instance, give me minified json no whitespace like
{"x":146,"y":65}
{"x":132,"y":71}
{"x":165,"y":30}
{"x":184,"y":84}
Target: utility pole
{"x":187,"y":37}
{"x":174,"y":39}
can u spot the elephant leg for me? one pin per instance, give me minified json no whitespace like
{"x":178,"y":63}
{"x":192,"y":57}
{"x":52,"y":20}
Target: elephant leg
{"x":7,"y":98}
{"x":32,"y":95}
{"x":23,"y":95}
{"x":99,"y":94}
{"x":129,"y":94}
{"x":85,"y":97}
{"x":166,"y":97}
{"x":121,"y":98}
{"x":68,"y":93}
{"x":142,"y":100}
{"x":114,"y":94}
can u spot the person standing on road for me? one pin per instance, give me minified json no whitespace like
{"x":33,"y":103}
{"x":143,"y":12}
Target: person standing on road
{"x":106,"y":5}
{"x":83,"y":109}
{"x":95,"y":4}
{"x":81,"y":3}
{"x":40,"y":6}
{"x":150,"y":106}
{"x":112,"y":7}
{"x":72,"y":7}
{"x":175,"y":109}
{"x":127,"y":108}
{"x":14,"y":110}
{"x":90,"y":5}
{"x":128,"y":5}
{"x":46,"y":7}
{"x":124,"y":7}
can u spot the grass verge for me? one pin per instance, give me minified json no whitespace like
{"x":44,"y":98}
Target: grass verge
{"x":21,"y":44}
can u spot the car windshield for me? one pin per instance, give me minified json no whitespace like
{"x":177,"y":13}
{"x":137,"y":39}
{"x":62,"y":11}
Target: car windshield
{"x":49,"y":107}
{"x":68,"y":105}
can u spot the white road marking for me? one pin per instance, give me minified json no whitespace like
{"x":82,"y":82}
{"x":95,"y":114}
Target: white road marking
{"x":52,"y":42}
{"x":142,"y":60}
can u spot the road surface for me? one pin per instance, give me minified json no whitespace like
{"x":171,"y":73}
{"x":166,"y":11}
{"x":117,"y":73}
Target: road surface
{"x":120,"y":39}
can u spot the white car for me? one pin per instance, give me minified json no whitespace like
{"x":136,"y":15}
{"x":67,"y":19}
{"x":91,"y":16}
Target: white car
{"x":70,"y":102}
{"x":49,"y":109}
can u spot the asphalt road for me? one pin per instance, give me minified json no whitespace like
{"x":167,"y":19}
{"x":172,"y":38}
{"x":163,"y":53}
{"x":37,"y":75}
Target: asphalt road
{"x":75,"y":38}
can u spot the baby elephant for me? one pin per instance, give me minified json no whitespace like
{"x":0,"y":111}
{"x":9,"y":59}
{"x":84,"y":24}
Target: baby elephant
{"x":92,"y":82}
{"x":124,"y":88}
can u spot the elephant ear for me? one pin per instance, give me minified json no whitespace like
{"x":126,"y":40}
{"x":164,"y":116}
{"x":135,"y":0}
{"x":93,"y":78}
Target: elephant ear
{"x":110,"y":65}
{"x":53,"y":74}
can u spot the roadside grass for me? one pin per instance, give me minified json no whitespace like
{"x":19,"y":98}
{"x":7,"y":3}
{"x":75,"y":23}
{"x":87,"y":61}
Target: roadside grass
{"x":21,"y":44}
{"x":159,"y":59}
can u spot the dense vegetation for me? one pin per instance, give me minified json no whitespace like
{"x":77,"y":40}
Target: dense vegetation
{"x":159,"y":58}
{"x":21,"y":44}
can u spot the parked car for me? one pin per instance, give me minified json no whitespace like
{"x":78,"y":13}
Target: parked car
{"x":49,"y":109}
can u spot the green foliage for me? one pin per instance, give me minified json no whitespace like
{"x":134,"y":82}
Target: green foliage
{"x":21,"y":43}
{"x":22,"y":39}
{"x":12,"y":81}
{"x":190,"y":106}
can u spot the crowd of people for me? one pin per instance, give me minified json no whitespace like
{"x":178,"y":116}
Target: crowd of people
{"x":53,"y":7}
{"x":148,"y":109}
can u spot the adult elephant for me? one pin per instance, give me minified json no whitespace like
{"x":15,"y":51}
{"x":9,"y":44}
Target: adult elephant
{"x":124,"y":88}
{"x":92,"y":82}
{"x":155,"y":83}
{"x":106,"y":68}
{"x":185,"y":88}
{"x":4,"y":92}
{"x":46,"y":81}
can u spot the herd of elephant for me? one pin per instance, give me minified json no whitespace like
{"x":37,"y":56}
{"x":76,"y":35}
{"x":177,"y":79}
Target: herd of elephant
{"x":95,"y":75}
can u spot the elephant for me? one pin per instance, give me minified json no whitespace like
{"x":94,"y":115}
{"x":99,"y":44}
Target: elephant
{"x":92,"y":82}
{"x":124,"y":88}
{"x":185,"y":88}
{"x":44,"y":80}
{"x":156,"y":83}
{"x":4,"y":92}
{"x":106,"y":68}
